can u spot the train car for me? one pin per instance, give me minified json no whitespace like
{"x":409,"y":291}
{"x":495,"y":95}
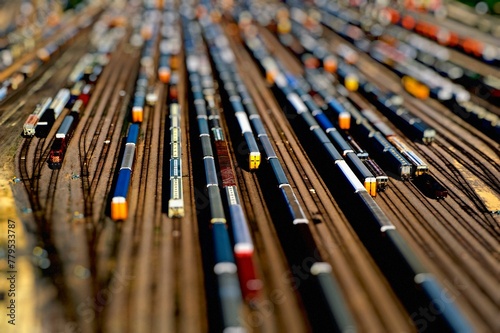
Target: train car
{"x":164,"y":70}
{"x":330,"y":64}
{"x":119,"y":205}
{"x":45,"y":53}
{"x":392,"y":106}
{"x":64,"y":134}
{"x":96,"y":72}
{"x":344,"y":117}
{"x":58,"y":148}
{"x":32,"y":121}
{"x":176,"y":201}
{"x":468,"y":45}
{"x":151,"y":96}
{"x":415,"y":88}
{"x":16,"y":80}
{"x":490,"y":86}
{"x":86,"y":93}
{"x":57,"y":106}
{"x":77,"y":109}
{"x":479,"y":117}
{"x":294,"y":207}
{"x":139,"y":100}
{"x":431,"y":187}
{"x":419,"y":166}
{"x":48,"y":118}
{"x":3,"y":92}
{"x":75,"y":92}
{"x":378,"y":172}
{"x":29,"y":68}
{"x":78,"y":71}
{"x":363,"y":173}
{"x":87,"y":71}
{"x":389,"y":156}
{"x":360,"y":152}
{"x":138,"y":107}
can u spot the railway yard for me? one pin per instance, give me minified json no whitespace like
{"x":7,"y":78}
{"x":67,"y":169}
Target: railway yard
{"x":251,"y":166}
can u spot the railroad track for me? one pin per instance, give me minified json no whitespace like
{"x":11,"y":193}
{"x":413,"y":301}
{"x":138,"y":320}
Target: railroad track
{"x":188,"y":285}
{"x":26,"y":178}
{"x":144,"y":219}
{"x":31,"y":180}
{"x":118,"y":107}
{"x":86,"y":150}
{"x":437,"y":237}
{"x":454,"y":176}
{"x":474,"y":164}
{"x":50,"y":197}
{"x":121,"y":107}
{"x":42,"y":213}
{"x":114,"y":78}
